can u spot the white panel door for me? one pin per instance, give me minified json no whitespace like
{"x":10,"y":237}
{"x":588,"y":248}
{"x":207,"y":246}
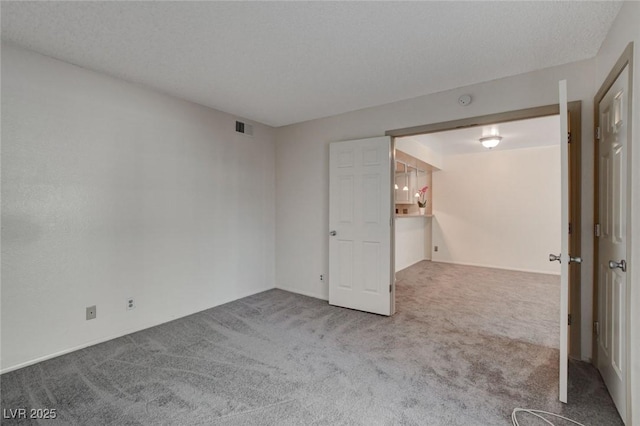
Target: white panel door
{"x":360,"y":272}
{"x":612,"y":244}
{"x":564,"y":242}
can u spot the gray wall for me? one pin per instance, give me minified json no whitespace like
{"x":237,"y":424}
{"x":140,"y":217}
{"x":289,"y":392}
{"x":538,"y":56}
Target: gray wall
{"x":110,"y":191}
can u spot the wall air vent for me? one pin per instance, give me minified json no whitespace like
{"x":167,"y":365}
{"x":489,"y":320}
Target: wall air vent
{"x":245,"y":129}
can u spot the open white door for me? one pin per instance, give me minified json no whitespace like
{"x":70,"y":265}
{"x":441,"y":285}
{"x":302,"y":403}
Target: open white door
{"x":564,"y":257}
{"x":360,"y":273}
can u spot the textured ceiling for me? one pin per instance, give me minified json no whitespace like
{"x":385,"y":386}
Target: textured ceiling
{"x":530,"y":133}
{"x":285,"y":62}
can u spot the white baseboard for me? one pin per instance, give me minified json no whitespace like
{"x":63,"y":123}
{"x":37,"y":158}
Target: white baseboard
{"x":304,"y":293}
{"x":408,"y":266}
{"x":124,"y":333}
{"x":497,"y":267}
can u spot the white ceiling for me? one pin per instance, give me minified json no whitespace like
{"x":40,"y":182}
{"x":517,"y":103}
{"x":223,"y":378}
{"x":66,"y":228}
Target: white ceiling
{"x":531,"y":133}
{"x":284,"y":62}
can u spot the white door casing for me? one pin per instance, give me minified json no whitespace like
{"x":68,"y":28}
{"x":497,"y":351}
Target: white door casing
{"x":612,"y":242}
{"x":360,"y":215}
{"x":564,"y":242}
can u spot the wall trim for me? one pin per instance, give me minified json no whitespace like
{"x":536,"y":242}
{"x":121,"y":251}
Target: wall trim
{"x":414,"y":263}
{"x":304,"y":293}
{"x":482,"y":265}
{"x":500,"y":117}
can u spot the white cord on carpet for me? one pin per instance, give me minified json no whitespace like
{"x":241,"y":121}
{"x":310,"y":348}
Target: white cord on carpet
{"x":514,"y":419}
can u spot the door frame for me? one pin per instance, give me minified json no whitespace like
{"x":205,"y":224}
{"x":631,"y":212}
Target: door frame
{"x":625,"y":59}
{"x":392,"y":249}
{"x":575,"y":189}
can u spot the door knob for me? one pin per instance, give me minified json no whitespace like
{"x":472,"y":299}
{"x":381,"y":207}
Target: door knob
{"x":576,"y":259}
{"x":622,"y":265}
{"x":333,"y":233}
{"x":553,"y":258}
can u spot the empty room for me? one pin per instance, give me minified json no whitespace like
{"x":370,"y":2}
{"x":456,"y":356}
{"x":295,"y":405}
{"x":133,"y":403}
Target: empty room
{"x":204,"y":215}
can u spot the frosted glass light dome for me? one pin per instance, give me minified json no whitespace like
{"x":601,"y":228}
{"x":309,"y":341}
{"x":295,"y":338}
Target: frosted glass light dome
{"x":490,"y":141}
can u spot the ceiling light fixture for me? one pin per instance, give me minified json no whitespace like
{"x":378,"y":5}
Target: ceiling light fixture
{"x":490,"y":141}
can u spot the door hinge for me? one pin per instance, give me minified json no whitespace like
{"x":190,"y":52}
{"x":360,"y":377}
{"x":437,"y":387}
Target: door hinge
{"x":569,"y":320}
{"x":598,"y":133}
{"x":390,"y":287}
{"x":569,"y":137}
{"x":569,"y":228}
{"x":596,"y":328}
{"x":596,"y":230}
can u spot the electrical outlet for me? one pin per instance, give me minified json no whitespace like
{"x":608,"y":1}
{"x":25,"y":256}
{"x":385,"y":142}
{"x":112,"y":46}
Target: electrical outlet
{"x":131,"y":304}
{"x":435,"y":248}
{"x":91,"y":312}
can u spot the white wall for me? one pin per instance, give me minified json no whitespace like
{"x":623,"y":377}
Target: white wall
{"x":625,"y":29}
{"x":413,"y":236}
{"x":302,"y":166}
{"x":499,"y":209}
{"x":110,"y":190}
{"x":420,"y":151}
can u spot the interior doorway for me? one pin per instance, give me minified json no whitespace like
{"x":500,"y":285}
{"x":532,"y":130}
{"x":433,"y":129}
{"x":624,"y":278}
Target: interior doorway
{"x":574,"y":193}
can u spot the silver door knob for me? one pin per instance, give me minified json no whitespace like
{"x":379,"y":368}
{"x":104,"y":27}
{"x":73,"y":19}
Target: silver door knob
{"x":622,"y":265}
{"x":553,"y":258}
{"x":576,"y":259}
{"x":333,"y":233}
